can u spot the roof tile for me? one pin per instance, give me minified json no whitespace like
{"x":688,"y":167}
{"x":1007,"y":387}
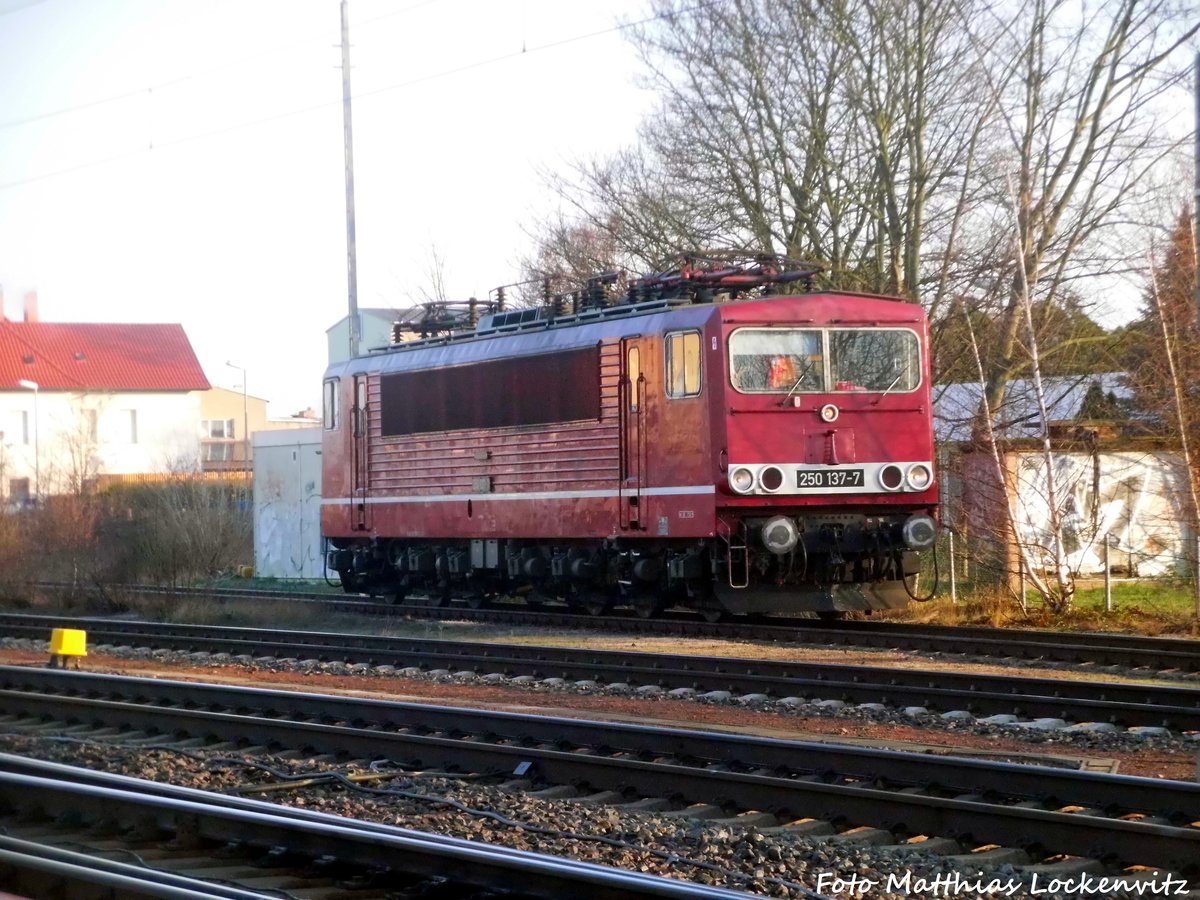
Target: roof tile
{"x":91,"y":356}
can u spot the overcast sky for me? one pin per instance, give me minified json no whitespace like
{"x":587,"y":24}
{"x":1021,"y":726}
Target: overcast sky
{"x":182,"y":161}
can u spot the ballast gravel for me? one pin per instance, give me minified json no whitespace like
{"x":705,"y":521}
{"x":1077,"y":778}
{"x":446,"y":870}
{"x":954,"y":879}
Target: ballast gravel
{"x":763,"y":861}
{"x":1056,"y":733}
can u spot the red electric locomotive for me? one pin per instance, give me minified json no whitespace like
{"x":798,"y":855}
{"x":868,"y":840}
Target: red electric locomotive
{"x":698,"y":439}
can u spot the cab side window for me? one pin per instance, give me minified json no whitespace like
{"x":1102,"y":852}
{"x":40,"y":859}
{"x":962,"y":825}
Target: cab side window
{"x":682,"y":352}
{"x":330,"y":409}
{"x":634,"y":370}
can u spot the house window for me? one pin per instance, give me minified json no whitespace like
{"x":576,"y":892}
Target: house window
{"x":683,"y":363}
{"x":218,"y":429}
{"x":216,"y":452}
{"x":330,"y":404}
{"x":130,"y":425}
{"x":18,"y":490}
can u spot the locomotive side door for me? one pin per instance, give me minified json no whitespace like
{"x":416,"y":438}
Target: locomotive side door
{"x":633,"y":433}
{"x":358,"y":456}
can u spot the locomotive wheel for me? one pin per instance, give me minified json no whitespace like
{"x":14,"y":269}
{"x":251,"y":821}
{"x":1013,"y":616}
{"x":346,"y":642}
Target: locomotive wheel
{"x":440,"y":595}
{"x":478,"y":601}
{"x":648,"y":607}
{"x":596,"y":604}
{"x":714,"y":614}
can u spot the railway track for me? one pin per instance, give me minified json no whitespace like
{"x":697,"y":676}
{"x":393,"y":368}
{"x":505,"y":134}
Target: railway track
{"x":1046,"y":702}
{"x":1025,"y":815}
{"x":67,"y":830}
{"x":1181,"y":655}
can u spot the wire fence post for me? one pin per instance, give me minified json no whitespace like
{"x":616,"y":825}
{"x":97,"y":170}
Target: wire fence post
{"x":1198,"y":575}
{"x":1021,"y":577}
{"x":953,"y":580}
{"x":1107,"y":577}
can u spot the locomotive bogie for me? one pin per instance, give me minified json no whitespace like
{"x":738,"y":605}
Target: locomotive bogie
{"x":835,"y":561}
{"x":392,"y":567}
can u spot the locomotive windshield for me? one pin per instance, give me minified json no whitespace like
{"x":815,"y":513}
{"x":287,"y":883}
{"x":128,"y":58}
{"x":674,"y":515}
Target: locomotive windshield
{"x":794,"y":360}
{"x":776,"y":359}
{"x":874,"y":359}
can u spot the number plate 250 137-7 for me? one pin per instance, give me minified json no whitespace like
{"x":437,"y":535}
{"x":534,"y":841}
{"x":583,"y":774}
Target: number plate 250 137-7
{"x":829,"y":478}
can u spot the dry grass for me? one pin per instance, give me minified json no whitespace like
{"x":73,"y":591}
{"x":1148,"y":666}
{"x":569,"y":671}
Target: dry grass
{"x":276,"y":614}
{"x":988,"y":607}
{"x":1149,"y":608}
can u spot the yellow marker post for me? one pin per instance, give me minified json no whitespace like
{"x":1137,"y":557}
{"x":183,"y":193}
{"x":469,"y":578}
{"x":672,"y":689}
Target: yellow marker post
{"x":65,"y":643}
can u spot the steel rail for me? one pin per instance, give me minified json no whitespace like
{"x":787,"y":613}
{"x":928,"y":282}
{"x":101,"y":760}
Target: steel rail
{"x":1174,"y":707}
{"x":1065,"y":647}
{"x":59,"y":790}
{"x":1091,"y":648}
{"x":79,"y":870}
{"x":1133,"y":820}
{"x":1027,"y":635}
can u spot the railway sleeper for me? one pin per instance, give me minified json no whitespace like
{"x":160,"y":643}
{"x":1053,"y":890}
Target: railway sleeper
{"x":820,"y":830}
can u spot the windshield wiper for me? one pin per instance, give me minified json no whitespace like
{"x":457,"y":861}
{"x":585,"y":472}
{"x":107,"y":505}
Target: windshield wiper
{"x":895,"y":381}
{"x":807,"y":368}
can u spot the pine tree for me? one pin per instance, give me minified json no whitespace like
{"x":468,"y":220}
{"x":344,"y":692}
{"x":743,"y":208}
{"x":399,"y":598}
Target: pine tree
{"x":1150,"y":338}
{"x":1168,"y":381}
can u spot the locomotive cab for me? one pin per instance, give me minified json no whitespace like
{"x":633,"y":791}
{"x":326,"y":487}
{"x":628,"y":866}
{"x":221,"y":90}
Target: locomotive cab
{"x":827,"y":488}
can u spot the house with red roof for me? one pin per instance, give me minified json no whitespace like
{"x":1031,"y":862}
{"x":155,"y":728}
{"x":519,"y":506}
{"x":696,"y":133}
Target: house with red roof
{"x":79,"y":400}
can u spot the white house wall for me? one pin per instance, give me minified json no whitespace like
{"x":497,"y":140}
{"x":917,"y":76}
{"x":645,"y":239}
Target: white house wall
{"x":1140,"y":507}
{"x":167,"y":438}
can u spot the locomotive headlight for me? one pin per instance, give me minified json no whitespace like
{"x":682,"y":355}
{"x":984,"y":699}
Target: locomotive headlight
{"x":891,"y":477}
{"x":829,"y":413}
{"x":741,"y":480}
{"x":770,"y":479}
{"x":919,"y":532}
{"x":780,"y":535}
{"x":920,"y":477}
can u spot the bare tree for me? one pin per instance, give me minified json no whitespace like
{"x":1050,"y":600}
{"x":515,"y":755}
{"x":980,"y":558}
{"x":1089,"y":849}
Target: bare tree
{"x":820,"y":129}
{"x":190,"y":529}
{"x":566,"y":254}
{"x":1164,"y":370}
{"x":1057,"y":595}
{"x":996,"y":486}
{"x":434,"y":288}
{"x":79,"y":440}
{"x":1079,"y":95}
{"x":875,"y":137}
{"x":915,"y":90}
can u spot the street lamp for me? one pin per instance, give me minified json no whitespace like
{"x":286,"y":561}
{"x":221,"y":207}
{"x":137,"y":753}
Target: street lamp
{"x":245,"y":422}
{"x":37,"y":456}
